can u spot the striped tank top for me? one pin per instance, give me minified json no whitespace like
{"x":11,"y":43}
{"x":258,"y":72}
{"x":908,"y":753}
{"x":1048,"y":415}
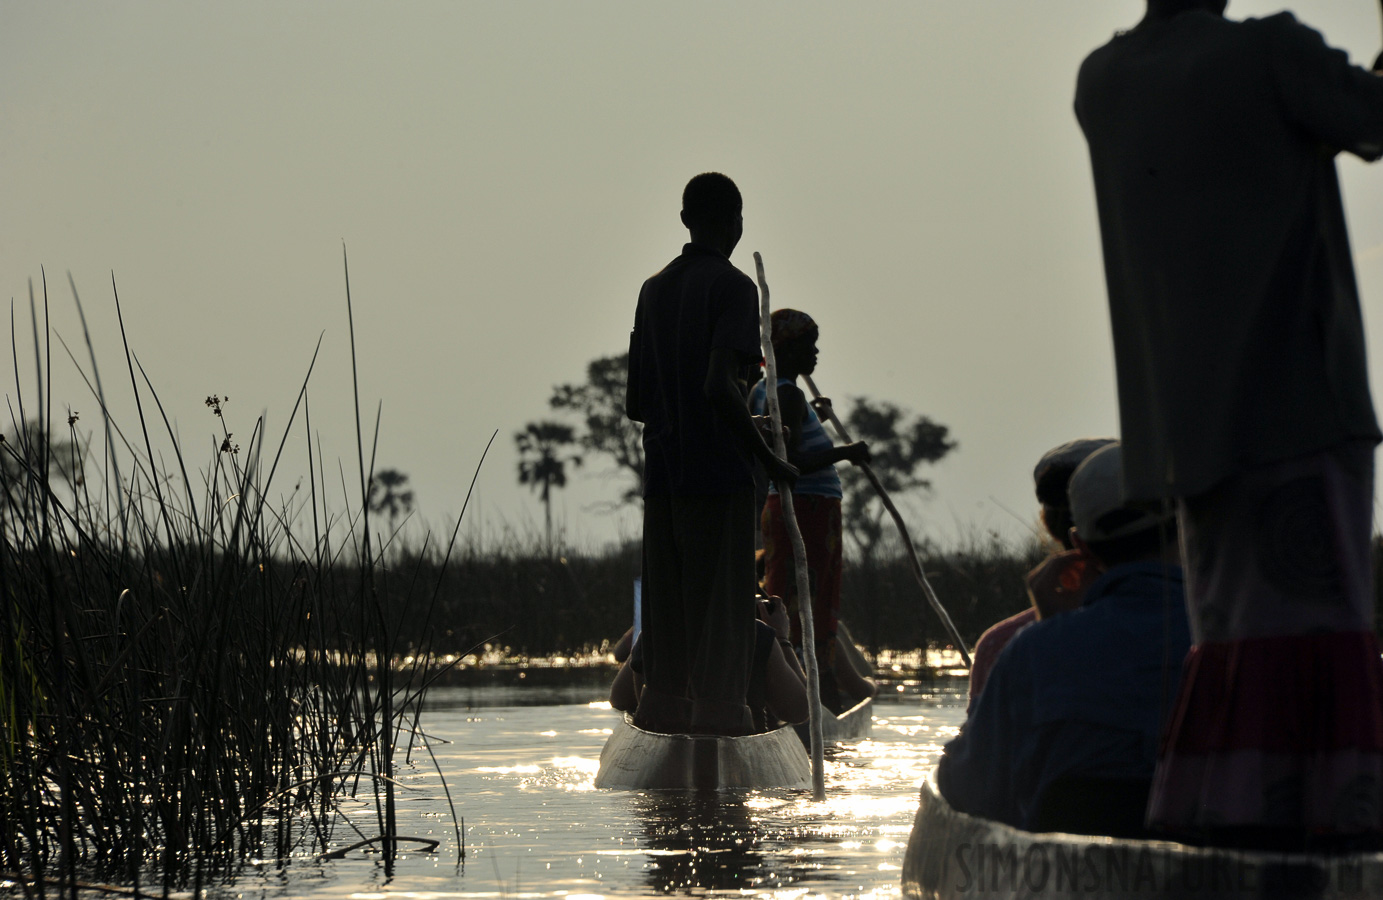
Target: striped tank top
{"x":824,"y":482}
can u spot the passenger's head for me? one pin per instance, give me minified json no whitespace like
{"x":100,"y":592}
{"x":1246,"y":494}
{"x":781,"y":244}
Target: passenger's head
{"x":1053,"y":474}
{"x":713,"y":211}
{"x":1106,"y":528}
{"x":794,"y":336}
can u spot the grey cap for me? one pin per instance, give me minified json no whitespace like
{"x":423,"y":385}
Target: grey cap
{"x":1053,"y":471}
{"x":1096,"y":492}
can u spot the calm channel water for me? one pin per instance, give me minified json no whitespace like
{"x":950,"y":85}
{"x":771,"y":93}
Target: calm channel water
{"x":519,"y":763}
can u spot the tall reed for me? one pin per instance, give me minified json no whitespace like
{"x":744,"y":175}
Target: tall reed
{"x":190,"y":673}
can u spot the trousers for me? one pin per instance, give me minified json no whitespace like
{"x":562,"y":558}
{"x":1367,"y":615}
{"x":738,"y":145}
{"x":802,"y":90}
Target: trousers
{"x":698,"y":604}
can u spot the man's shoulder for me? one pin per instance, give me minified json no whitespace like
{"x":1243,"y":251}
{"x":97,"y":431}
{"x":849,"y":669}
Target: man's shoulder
{"x":713,"y":269}
{"x":1270,"y":27}
{"x":1285,"y":41}
{"x":652,"y":283}
{"x":1029,"y":646}
{"x":1034,"y":638}
{"x":714,"y":265}
{"x":1120,"y":598}
{"x":1193,"y":29}
{"x":791,"y":392}
{"x":1058,"y":634}
{"x":726,"y":276}
{"x":1002,"y":631}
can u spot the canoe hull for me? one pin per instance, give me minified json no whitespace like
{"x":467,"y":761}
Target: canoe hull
{"x":952,"y":855}
{"x":638,"y":760}
{"x":854,"y":724}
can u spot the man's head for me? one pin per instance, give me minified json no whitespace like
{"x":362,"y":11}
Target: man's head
{"x":794,"y":335}
{"x":1105,"y":527}
{"x":1051,"y":476}
{"x":713,"y":211}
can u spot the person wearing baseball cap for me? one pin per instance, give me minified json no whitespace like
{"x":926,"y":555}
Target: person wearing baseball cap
{"x":1064,"y":736}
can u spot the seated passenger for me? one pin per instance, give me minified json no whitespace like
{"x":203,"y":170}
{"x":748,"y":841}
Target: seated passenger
{"x":777,"y":685}
{"x":620,"y":651}
{"x":1050,"y":477}
{"x":854,"y":674}
{"x":1074,"y":703}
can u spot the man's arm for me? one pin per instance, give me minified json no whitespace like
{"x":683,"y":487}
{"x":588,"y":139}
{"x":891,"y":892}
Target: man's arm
{"x":1339,"y":103}
{"x":723,"y":394}
{"x":632,"y":408}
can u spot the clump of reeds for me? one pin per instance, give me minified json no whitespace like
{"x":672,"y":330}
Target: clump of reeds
{"x":189,"y":673}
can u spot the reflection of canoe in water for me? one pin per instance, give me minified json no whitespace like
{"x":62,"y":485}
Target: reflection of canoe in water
{"x":634,"y":759}
{"x":954,"y":855}
{"x":855,"y":723}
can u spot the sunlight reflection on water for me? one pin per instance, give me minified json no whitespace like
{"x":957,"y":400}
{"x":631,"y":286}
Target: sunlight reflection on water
{"x":521,"y":776}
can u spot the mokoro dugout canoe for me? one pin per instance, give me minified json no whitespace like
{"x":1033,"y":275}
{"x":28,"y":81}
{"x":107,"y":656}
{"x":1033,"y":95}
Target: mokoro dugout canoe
{"x":851,"y":725}
{"x":638,"y":760}
{"x":952,"y":855}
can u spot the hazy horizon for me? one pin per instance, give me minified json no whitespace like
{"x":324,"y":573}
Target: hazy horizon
{"x":504,"y":176}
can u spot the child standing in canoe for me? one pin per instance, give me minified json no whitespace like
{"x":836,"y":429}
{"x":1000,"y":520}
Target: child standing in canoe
{"x":816,"y":496}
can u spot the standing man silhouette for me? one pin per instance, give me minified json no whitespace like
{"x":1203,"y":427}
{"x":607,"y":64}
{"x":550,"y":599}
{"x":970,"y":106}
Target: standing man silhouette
{"x":1244,"y":402}
{"x":695,"y":335}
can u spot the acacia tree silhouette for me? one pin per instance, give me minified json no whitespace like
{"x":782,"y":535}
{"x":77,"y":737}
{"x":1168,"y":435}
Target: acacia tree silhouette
{"x":542,"y":465}
{"x":29,"y":454}
{"x":898,"y":445}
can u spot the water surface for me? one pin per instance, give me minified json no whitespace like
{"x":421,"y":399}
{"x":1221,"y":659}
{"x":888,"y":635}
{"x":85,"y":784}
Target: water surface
{"x":519,"y":763}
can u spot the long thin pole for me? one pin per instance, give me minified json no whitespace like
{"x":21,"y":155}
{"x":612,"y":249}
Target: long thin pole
{"x":799,"y":548}
{"x":1378,"y":63}
{"x":902,"y":531}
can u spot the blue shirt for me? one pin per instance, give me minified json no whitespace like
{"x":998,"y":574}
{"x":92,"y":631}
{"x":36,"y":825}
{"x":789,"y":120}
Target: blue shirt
{"x":1081,"y":694}
{"x":812,"y":438}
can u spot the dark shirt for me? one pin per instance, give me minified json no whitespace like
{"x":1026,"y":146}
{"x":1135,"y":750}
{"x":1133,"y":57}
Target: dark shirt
{"x":1238,"y":339}
{"x":1078,"y":695}
{"x":699,"y":303}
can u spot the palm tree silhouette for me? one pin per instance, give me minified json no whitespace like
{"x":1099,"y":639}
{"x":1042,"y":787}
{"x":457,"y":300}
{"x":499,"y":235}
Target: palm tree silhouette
{"x":387,"y":496}
{"x":541,"y":463}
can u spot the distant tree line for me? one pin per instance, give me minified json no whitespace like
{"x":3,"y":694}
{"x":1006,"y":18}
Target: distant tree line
{"x":595,"y":424}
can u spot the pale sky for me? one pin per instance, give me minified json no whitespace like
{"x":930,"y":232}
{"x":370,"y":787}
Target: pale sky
{"x":505,"y":175}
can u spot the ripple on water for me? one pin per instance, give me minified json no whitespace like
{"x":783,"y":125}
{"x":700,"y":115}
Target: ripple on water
{"x":535,"y":826}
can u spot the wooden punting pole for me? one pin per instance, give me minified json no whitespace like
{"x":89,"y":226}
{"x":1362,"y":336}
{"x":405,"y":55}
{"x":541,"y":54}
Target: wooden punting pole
{"x":902,"y":531}
{"x":799,"y":549}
